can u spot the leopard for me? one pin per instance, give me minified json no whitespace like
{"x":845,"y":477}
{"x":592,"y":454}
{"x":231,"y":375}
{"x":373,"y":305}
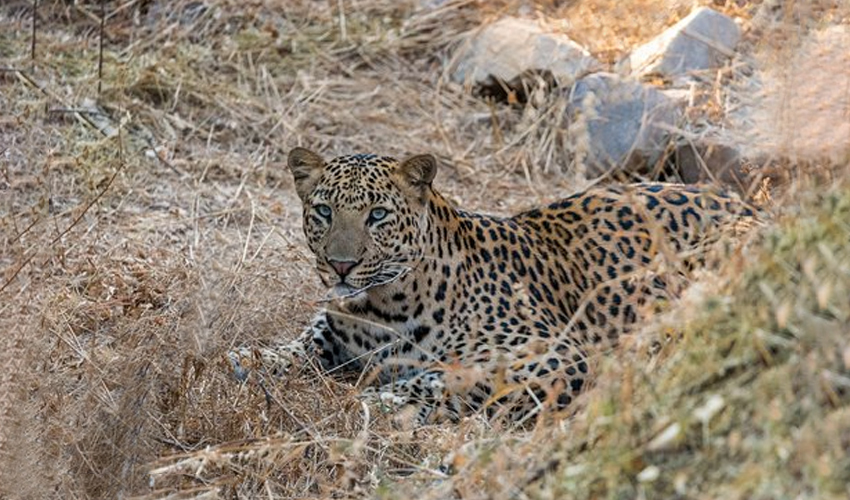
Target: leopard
{"x":452,"y":312}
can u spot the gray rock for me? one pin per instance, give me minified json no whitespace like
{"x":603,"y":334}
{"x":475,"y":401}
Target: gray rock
{"x":617,"y":123}
{"x":700,"y":41}
{"x":432,"y":4}
{"x":510,"y":48}
{"x":706,"y":162}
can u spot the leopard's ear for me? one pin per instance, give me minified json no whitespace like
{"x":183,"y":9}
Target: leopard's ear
{"x":418,"y":171}
{"x":306,"y":167}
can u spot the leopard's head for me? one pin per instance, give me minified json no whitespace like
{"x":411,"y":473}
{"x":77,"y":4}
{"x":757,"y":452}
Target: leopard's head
{"x":365,"y":216}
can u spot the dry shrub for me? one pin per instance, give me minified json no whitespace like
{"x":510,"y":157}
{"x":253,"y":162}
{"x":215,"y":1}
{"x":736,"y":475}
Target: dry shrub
{"x":803,"y":109}
{"x":147,"y":230}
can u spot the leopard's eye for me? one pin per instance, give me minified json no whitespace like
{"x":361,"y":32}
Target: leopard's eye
{"x":377,"y":214}
{"x":323,"y":211}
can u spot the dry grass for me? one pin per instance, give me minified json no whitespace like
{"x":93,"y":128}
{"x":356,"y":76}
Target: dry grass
{"x":748,"y":395}
{"x":144,"y":236}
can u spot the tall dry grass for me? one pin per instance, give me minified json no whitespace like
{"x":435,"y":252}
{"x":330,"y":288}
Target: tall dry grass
{"x":147,"y":229}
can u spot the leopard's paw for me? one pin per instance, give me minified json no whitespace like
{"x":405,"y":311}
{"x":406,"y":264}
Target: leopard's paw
{"x":274,"y":361}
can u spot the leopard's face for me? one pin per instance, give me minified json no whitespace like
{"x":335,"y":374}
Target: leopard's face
{"x":363,"y":217}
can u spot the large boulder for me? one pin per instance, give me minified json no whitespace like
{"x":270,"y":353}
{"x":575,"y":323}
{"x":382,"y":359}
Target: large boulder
{"x":703,"y":40}
{"x":506,"y":51}
{"x":618,"y":123}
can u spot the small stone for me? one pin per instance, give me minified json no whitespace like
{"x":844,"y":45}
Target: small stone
{"x":649,"y":474}
{"x":709,"y":163}
{"x":700,"y":41}
{"x":513,"y":48}
{"x":710,"y":408}
{"x":667,"y":439}
{"x":432,"y":4}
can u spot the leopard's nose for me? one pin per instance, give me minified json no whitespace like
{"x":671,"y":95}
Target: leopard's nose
{"x":342,"y":267}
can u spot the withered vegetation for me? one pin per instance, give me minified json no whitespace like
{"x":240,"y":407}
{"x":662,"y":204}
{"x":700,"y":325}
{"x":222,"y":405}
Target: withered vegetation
{"x":148,"y":227}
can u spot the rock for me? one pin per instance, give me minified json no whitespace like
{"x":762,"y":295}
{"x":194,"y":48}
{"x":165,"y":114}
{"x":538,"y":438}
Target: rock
{"x":508,"y":50}
{"x":619,"y":123}
{"x":432,"y":4}
{"x":700,"y":41}
{"x":696,"y":163}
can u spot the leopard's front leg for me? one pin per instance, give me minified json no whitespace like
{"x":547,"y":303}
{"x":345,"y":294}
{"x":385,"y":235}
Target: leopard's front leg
{"x":316,"y":341}
{"x":425,"y":394}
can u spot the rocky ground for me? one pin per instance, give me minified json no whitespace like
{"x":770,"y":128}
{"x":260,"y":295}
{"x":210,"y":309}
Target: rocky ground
{"x":148,"y":226}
